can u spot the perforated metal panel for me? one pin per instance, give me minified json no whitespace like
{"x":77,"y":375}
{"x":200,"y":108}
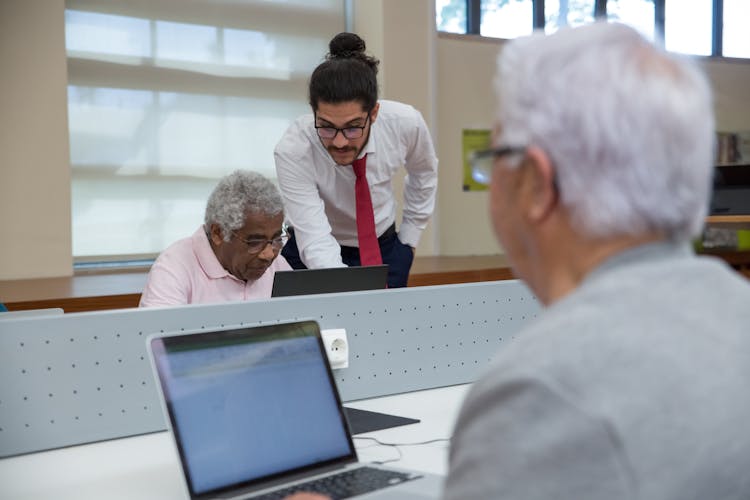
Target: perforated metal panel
{"x":86,"y":377}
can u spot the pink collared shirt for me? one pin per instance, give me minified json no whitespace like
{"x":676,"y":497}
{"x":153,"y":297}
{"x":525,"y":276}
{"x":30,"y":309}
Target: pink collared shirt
{"x":188,"y":272}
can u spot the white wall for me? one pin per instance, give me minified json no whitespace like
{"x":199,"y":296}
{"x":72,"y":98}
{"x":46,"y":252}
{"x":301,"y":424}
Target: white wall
{"x":466,"y":67}
{"x":34,"y":164}
{"x":730,"y":79}
{"x":402,"y":35}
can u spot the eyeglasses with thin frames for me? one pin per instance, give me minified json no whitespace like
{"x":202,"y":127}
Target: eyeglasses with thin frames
{"x":482,"y":162}
{"x":257,"y":245}
{"x":350,"y":132}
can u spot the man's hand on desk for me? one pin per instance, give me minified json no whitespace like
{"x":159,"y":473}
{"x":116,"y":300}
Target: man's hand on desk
{"x":307,"y":496}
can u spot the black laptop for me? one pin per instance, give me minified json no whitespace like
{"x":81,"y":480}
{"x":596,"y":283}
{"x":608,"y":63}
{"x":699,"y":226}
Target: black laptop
{"x":254,"y":413}
{"x":329,"y":280}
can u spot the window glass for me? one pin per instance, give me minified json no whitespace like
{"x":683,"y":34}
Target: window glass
{"x":93,"y":34}
{"x":561,"y":13}
{"x":187,"y":42}
{"x":636,"y":13}
{"x":159,"y":110}
{"x":451,"y":16}
{"x":255,"y":49}
{"x":736,"y":42}
{"x":688,"y":26}
{"x":507,"y":18}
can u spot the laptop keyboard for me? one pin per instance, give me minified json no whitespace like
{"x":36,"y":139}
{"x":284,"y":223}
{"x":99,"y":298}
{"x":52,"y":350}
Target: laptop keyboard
{"x":345,"y":484}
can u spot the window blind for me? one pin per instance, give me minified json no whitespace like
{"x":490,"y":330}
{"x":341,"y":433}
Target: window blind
{"x":165,"y":97}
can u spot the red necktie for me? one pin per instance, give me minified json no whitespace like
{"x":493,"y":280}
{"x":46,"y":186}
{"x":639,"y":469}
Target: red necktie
{"x":369,"y":249}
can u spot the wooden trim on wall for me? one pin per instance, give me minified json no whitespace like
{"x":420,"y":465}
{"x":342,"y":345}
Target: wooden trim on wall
{"x":95,"y":292}
{"x":123,"y":290}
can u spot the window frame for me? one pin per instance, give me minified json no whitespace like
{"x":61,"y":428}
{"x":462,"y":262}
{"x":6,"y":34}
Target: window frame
{"x":474,"y":19}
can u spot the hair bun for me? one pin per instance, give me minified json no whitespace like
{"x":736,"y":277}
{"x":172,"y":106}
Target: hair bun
{"x":346,"y":45}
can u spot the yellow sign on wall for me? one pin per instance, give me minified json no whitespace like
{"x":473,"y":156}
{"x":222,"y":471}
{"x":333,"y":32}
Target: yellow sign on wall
{"x":473,"y":140}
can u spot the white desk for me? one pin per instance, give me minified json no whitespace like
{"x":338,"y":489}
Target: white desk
{"x":145,"y":467}
{"x":436,"y":408}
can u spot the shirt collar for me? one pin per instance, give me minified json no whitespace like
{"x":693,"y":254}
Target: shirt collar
{"x":370,"y":147}
{"x":206,"y":256}
{"x":648,"y":252}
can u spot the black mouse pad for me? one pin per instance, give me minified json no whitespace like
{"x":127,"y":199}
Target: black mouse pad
{"x":361,"y":421}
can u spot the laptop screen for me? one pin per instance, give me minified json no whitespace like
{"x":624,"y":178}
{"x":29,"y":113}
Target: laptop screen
{"x":251,"y":404}
{"x":329,"y":280}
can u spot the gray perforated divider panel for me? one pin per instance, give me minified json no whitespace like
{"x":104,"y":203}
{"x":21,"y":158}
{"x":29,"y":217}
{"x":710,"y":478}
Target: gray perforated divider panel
{"x":86,"y":377}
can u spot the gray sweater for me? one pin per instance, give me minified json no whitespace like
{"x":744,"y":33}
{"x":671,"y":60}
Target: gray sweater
{"x":634,"y":386}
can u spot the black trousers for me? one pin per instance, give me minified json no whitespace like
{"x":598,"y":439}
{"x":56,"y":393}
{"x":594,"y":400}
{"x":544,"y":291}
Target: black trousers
{"x":398,"y":256}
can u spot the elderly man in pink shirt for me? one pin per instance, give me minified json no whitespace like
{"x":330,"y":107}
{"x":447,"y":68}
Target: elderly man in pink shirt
{"x":232,"y":256}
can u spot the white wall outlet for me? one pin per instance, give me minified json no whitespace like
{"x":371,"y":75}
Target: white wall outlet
{"x":336,"y":347}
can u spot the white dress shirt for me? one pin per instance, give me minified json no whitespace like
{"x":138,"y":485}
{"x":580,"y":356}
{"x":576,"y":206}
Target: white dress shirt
{"x":319,"y":195}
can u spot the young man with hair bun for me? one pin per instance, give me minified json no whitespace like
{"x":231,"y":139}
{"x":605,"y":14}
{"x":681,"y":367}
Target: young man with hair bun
{"x":336,"y":167}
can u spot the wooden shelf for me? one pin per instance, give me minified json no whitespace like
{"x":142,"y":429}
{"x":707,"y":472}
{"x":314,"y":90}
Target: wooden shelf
{"x":123,"y":290}
{"x":729,"y":221}
{"x":75,"y":293}
{"x":728,"y":218}
{"x":440,"y":270}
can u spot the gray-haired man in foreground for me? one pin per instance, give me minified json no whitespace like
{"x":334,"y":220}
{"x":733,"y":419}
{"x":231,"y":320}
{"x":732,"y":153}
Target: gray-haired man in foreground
{"x":633,"y":383}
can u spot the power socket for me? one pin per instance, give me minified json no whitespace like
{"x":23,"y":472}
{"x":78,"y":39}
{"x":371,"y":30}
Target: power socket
{"x":336,"y":347}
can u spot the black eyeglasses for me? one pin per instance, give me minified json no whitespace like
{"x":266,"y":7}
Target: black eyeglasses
{"x":257,"y":245}
{"x":351,"y":132}
{"x":482,"y":161}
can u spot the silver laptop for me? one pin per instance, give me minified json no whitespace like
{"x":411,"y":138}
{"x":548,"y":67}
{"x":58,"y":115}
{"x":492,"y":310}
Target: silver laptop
{"x":255,"y":413}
